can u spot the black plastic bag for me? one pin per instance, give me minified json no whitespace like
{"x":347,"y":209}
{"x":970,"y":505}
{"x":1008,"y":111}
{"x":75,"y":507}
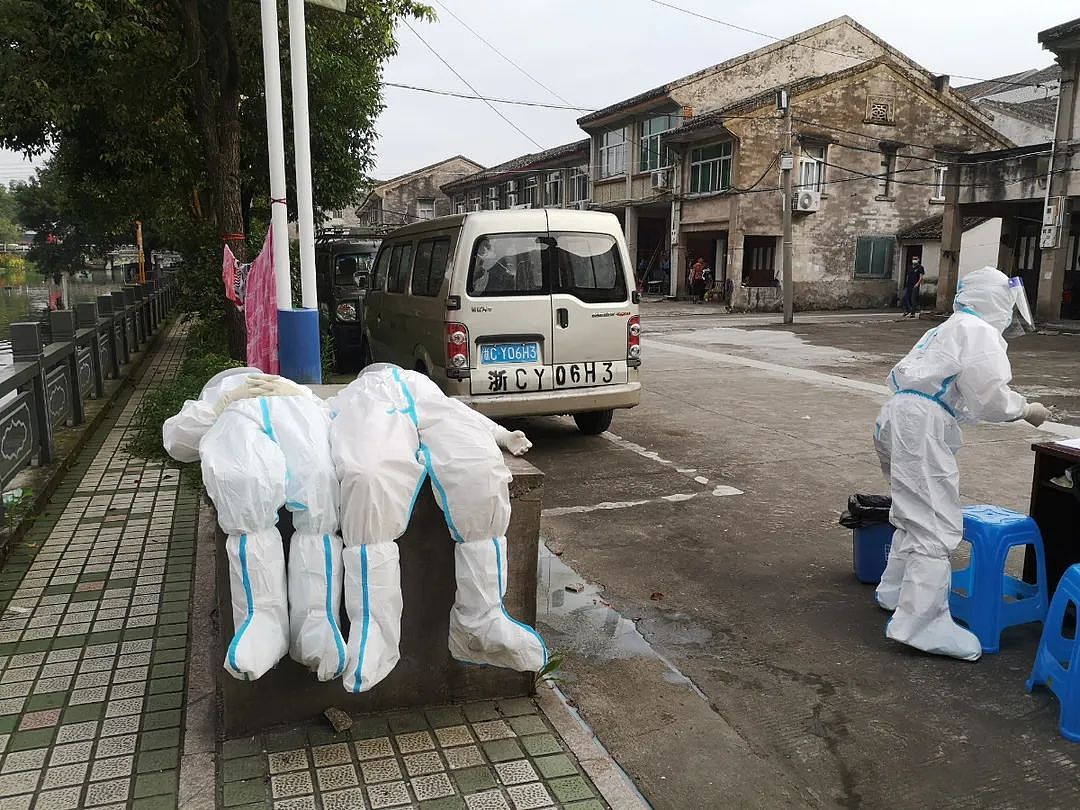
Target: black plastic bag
{"x":864,"y":510}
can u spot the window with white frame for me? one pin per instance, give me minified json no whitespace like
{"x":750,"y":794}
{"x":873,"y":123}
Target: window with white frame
{"x":459,"y":203}
{"x":553,"y":189}
{"x":579,"y":184}
{"x":940,"y":172}
{"x":510,"y":189}
{"x":530,"y":194}
{"x":425,"y":209}
{"x":812,"y":167}
{"x":612,"y":153}
{"x":493,"y":198}
{"x":710,"y":168}
{"x":475,"y":200}
{"x":652,"y":152}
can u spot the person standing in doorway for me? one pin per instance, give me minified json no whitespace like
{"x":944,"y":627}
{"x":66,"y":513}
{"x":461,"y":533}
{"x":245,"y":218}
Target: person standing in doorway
{"x":697,"y":279}
{"x":912,"y":281}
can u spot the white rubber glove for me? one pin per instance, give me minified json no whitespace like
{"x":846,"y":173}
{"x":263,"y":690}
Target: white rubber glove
{"x":270,"y":385}
{"x":242,"y":391}
{"x":1035,"y":413}
{"x":516,"y":442}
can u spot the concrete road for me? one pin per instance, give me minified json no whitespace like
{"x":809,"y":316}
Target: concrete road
{"x":716,"y":639}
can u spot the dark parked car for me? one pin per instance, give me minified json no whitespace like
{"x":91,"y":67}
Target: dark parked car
{"x":343,"y":262}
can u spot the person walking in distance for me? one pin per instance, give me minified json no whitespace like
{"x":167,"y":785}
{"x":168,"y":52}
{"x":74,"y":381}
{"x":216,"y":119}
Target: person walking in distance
{"x":912,"y":281}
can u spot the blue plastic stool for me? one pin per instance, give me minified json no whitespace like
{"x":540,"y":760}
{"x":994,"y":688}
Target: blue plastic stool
{"x":994,"y":599}
{"x":1057,"y":663}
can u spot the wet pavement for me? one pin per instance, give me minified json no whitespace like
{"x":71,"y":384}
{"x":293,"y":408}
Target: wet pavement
{"x":717,"y":640}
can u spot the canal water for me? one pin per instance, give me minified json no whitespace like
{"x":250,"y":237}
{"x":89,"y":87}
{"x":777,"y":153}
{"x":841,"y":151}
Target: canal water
{"x":31,"y":302}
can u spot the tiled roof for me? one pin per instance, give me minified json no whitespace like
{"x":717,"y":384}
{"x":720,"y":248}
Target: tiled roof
{"x":380,"y":183}
{"x":1041,"y":111}
{"x":1003,"y":84}
{"x":929,"y":229}
{"x":1058,"y":32}
{"x":535,"y":159}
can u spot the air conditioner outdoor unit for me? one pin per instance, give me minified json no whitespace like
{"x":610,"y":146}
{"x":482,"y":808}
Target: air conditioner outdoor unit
{"x":521,"y":207}
{"x":660,"y":179}
{"x":582,"y":205}
{"x":807,"y":201}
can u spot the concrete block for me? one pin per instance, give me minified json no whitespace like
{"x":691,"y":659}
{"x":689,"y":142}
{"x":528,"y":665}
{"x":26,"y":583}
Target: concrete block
{"x":426,"y":674}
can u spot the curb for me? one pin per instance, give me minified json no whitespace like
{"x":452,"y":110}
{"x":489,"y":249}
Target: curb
{"x":609,"y":778}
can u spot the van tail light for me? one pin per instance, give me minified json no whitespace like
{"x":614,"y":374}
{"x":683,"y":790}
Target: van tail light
{"x":633,"y":342}
{"x":457,"y":351}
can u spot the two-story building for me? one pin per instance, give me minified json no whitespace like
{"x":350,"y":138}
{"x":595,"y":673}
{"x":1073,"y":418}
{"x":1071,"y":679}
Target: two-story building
{"x":1035,"y":191}
{"x":554,"y":178}
{"x":692,"y":167}
{"x":410,"y":197}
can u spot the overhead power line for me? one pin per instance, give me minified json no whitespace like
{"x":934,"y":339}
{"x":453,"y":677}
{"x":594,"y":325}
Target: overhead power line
{"x":818,"y":48}
{"x":520,"y":69}
{"x":464,"y":81}
{"x":488,"y":98}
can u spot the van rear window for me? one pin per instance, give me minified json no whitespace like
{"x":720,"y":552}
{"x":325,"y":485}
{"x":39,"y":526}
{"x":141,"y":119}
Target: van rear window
{"x":587,"y":266}
{"x":508,"y":264}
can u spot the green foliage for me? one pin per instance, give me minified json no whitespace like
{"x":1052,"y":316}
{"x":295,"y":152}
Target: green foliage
{"x":9,"y":226}
{"x":155,"y":111}
{"x":12,"y":270}
{"x":168,"y":397}
{"x":551,"y":671}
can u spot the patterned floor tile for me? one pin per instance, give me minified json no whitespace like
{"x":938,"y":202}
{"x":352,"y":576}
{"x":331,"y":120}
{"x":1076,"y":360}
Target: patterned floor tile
{"x":389,"y":794}
{"x":352,"y":799}
{"x":414,"y":741}
{"x":488,"y":800}
{"x":515,"y":772}
{"x":466,"y":756}
{"x":434,"y":786}
{"x":492,"y":730}
{"x":284,"y":761}
{"x":375,"y":748}
{"x":334,"y":777}
{"x":336,"y":754}
{"x":454,"y":735}
{"x":380,"y":770}
{"x":291,"y":784}
{"x":423,"y":763}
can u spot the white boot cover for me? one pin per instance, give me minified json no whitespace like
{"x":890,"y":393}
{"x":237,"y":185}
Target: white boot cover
{"x":260,"y":612}
{"x":373,"y":602}
{"x":888,"y":590}
{"x":481,"y":631}
{"x":922,"y":619}
{"x":315,"y":584}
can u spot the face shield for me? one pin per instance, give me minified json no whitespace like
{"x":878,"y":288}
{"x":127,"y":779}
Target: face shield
{"x":1022,"y":322}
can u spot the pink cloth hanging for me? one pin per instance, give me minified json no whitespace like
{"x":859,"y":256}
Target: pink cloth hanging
{"x":229,"y":276}
{"x":260,"y":310}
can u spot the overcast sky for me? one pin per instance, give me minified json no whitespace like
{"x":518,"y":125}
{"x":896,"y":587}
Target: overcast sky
{"x":595,"y":52}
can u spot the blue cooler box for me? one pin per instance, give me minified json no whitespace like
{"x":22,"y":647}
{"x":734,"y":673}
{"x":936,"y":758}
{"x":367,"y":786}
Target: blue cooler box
{"x":870,"y":551}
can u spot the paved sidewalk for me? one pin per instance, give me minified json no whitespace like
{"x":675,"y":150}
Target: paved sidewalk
{"x":500,"y":755}
{"x":93,"y":632}
{"x":94,"y":653}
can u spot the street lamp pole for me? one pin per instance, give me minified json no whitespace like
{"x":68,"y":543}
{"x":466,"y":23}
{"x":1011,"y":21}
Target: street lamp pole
{"x":787,"y":164}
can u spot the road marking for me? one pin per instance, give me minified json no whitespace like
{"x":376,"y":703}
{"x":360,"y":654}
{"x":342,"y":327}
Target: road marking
{"x":679,"y":497}
{"x":808,"y":375}
{"x":652,"y":455}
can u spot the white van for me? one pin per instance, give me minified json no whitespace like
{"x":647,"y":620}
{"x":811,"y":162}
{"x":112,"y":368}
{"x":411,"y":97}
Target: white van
{"x":517,"y":313}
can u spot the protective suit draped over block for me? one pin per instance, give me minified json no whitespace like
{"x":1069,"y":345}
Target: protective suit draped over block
{"x":393,"y":430}
{"x":264,"y":443}
{"x":957,"y":372}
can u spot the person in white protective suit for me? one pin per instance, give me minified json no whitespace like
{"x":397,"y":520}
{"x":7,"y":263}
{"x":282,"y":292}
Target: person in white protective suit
{"x":957,"y":372}
{"x":392,"y":430}
{"x":264,"y":443}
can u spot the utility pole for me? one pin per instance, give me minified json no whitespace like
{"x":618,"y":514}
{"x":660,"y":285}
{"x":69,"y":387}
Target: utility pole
{"x":138,"y":245}
{"x":787,"y":164}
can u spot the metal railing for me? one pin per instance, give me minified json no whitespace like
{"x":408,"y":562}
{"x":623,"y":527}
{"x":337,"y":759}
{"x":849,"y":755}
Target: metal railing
{"x":53,"y":377}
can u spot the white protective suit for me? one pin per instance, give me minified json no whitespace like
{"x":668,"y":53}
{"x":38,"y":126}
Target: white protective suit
{"x":957,"y":372}
{"x":392,"y":430}
{"x":260,"y":453}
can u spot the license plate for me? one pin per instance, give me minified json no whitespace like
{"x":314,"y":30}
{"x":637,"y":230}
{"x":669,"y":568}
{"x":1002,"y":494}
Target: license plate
{"x":503,"y":354}
{"x":520,"y":379}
